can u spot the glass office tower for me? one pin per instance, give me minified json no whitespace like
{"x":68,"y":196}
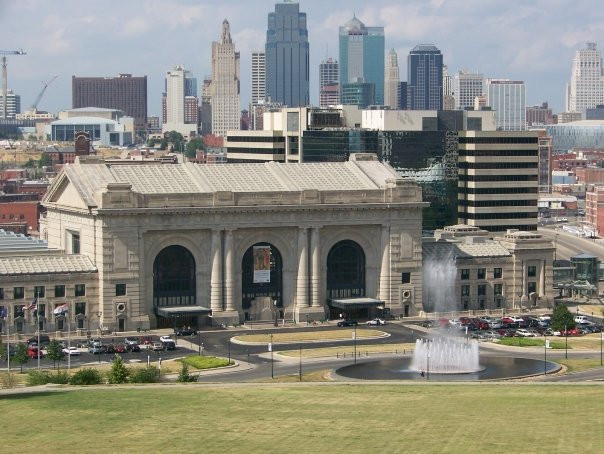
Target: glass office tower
{"x":425,"y":78}
{"x":287,"y":60}
{"x":362,"y":56}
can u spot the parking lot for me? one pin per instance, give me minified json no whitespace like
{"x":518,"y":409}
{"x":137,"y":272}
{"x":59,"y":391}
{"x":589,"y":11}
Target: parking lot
{"x":88,"y":351}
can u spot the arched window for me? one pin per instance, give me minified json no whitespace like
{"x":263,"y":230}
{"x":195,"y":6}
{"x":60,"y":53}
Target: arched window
{"x":174,"y":277}
{"x":346,"y":270}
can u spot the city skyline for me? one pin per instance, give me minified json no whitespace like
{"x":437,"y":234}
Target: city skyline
{"x":534,"y":43}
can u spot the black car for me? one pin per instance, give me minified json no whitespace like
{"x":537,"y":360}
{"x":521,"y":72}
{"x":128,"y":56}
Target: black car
{"x":347,"y":323}
{"x":169,"y":345}
{"x":133,"y":347}
{"x":44,"y":340}
{"x":186,"y":332}
{"x":109,"y":348}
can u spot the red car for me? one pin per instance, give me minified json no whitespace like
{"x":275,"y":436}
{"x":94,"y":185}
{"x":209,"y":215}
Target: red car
{"x":570,"y":332}
{"x":120,"y":348}
{"x":480,"y":324}
{"x":146,"y":340}
{"x":32,"y":352}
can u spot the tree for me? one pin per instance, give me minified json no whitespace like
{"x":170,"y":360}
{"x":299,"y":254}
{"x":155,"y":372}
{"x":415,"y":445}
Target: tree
{"x":21,"y":357}
{"x":2,"y":349}
{"x":151,"y":142}
{"x":31,"y":163}
{"x":45,"y":160}
{"x":184,"y":376}
{"x":163,"y":144}
{"x":54,"y":351}
{"x":193,"y":145}
{"x":119,"y":372}
{"x":562,"y":318}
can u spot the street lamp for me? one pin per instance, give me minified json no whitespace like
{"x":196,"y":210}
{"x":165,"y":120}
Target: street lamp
{"x":354,"y":337}
{"x":566,"y":342}
{"x":276,"y":313}
{"x":272,"y":361}
{"x":544,"y":354}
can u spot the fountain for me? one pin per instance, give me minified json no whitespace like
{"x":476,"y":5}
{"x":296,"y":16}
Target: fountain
{"x":445,"y":355}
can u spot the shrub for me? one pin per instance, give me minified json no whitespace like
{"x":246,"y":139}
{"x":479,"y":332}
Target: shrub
{"x":562,"y":318}
{"x":8,"y":380}
{"x":184,"y":376}
{"x":119,"y":372}
{"x":43,"y":377}
{"x":86,"y":377}
{"x":145,"y":375}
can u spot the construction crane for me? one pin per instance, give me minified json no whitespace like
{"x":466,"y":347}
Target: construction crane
{"x":4,"y":53}
{"x":34,"y":106}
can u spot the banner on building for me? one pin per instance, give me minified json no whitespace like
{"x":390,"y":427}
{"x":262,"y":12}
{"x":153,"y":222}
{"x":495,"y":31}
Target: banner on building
{"x":262,"y":264}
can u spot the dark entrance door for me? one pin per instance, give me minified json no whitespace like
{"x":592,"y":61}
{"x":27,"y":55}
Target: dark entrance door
{"x":173,"y":281}
{"x":256,"y":282}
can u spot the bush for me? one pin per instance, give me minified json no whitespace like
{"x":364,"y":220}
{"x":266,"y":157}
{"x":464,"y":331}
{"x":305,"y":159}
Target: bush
{"x":119,"y":372}
{"x":184,"y":376}
{"x":7,"y":380}
{"x":43,"y":377}
{"x":145,"y":375}
{"x":562,"y":318}
{"x":86,"y":377}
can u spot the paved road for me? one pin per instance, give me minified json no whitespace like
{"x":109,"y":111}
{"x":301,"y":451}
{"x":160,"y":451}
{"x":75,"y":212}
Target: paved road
{"x":568,"y":245}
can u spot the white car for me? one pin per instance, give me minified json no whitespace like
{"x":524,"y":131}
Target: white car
{"x":71,"y":351}
{"x":524,"y":333}
{"x":163,"y":339}
{"x":376,"y":322}
{"x":581,"y":319}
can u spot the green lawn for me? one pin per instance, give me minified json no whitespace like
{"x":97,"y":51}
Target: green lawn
{"x":531,"y":342}
{"x":204,"y":362}
{"x":486,"y":418}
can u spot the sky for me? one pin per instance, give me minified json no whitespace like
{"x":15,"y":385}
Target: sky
{"x":530,"y":40}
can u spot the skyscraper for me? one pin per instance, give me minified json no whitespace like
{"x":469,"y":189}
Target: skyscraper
{"x":329,"y":83}
{"x":225,"y":84}
{"x":586,"y":88}
{"x":508,"y":99}
{"x":425,"y":78}
{"x":13,"y":104}
{"x":362,"y":56}
{"x":258,"y":76}
{"x":176,"y":106}
{"x":287,"y":56}
{"x":125,"y":93}
{"x":448,"y":99}
{"x":467,"y":86}
{"x":391,"y":96}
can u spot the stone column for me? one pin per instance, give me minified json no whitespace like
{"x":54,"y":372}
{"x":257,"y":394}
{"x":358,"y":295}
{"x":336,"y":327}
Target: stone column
{"x":302,"y":281}
{"x":229,"y":271}
{"x":542,"y":279}
{"x":385,"y":269}
{"x":216,"y":277}
{"x":315,"y":277}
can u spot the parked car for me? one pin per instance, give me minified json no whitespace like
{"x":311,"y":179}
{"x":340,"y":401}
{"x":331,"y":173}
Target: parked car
{"x":71,"y":351}
{"x":581,"y":319}
{"x":376,"y":322}
{"x":169,"y":345}
{"x":480,"y":324}
{"x":95,"y":349}
{"x":32,"y":352}
{"x":134,"y":348}
{"x":164,"y":339}
{"x":521,"y":332}
{"x":186,"y":332}
{"x":120,"y":348}
{"x":109,"y":348}
{"x":157,"y":346}
{"x":44,"y":340}
{"x":347,"y":323}
{"x":570,"y":332}
{"x":131,"y":341}
{"x":495,"y":324}
{"x":146,"y":340}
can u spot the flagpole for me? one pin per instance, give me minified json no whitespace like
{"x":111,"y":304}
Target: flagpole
{"x":38,"y":323}
{"x":8,"y":342}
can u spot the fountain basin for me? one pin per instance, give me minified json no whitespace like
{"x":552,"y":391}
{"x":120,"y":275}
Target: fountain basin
{"x":491,"y":368}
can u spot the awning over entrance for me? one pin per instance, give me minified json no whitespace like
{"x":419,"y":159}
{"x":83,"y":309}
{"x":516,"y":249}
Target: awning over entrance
{"x":176,"y":311}
{"x":355,"y":303}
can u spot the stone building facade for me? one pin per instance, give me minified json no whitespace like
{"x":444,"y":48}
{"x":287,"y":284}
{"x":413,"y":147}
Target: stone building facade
{"x":179,"y":243}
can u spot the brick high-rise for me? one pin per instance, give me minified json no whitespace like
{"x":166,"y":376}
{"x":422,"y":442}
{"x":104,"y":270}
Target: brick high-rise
{"x":125,"y":92}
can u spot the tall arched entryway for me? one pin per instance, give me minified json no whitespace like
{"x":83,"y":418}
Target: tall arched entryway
{"x":174,"y":283}
{"x":261,"y":282}
{"x":346,"y":275}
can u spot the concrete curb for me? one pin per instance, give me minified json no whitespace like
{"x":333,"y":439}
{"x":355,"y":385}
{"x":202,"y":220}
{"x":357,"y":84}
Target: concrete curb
{"x":314,"y":341}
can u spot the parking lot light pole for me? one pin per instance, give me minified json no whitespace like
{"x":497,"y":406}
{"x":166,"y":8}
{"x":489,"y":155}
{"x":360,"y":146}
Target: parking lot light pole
{"x":300,"y":372}
{"x":354,"y":337}
{"x":566,"y":342}
{"x":544,"y":354}
{"x":272,"y":363}
{"x":601,"y":341}
{"x":199,"y":343}
{"x":229,"y":341}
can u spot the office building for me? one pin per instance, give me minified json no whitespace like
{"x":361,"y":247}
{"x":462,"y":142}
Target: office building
{"x":545,"y":162}
{"x":362,"y":56}
{"x":466,"y":87}
{"x":402,"y":95}
{"x":425,"y":78}
{"x":358,"y":93}
{"x":448,"y":98}
{"x":329,"y":83}
{"x":205,"y":108}
{"x":539,"y":115}
{"x":391,"y":96}
{"x":508,"y":99}
{"x":498,"y":179}
{"x":586,"y":87}
{"x":13,"y":104}
{"x":258,"y":77}
{"x":595,"y":113}
{"x":224,"y":89}
{"x":126,"y":93}
{"x":174,"y":102}
{"x":287,"y":56}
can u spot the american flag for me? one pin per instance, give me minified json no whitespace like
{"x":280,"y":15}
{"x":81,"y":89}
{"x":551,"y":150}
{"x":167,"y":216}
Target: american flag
{"x":62,"y":309}
{"x":33,"y":305}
